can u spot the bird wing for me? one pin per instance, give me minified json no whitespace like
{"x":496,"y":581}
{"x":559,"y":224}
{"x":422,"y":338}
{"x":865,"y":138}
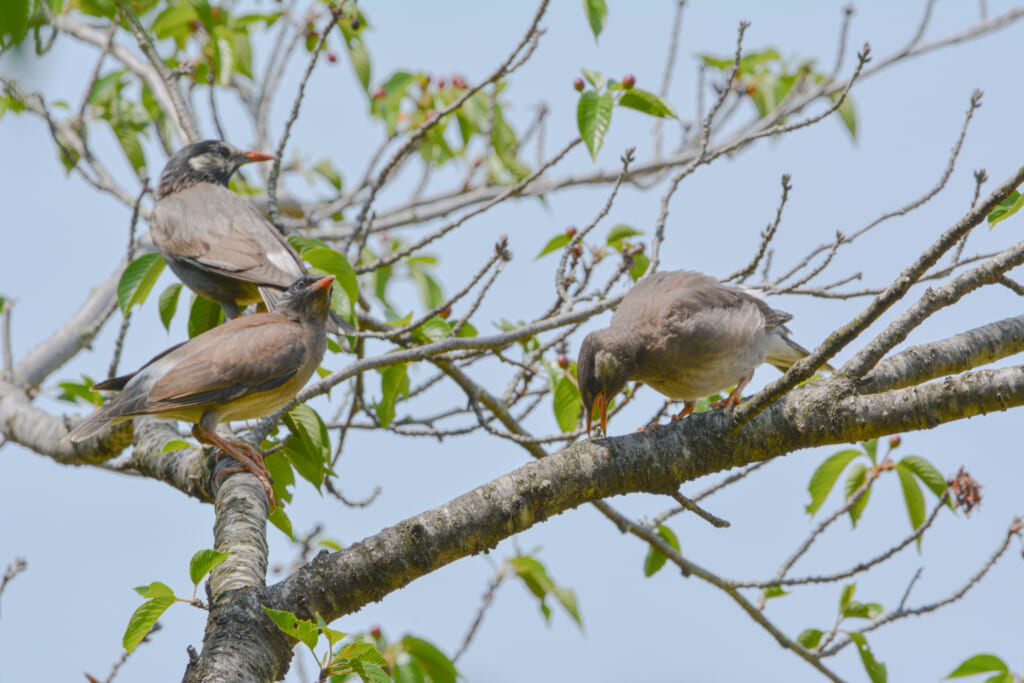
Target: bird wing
{"x":218,"y":231}
{"x":248,"y":355}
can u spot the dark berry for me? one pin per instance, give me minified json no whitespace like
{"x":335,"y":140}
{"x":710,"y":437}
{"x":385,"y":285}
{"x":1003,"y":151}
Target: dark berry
{"x":578,"y":84}
{"x":356,"y":24}
{"x":331,"y":57}
{"x":571,"y":230}
{"x":376,"y":632}
{"x":628,"y":81}
{"x":895,"y":441}
{"x":563,"y":361}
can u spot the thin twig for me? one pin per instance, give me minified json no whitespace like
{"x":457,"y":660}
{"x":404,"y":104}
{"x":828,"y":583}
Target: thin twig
{"x":129,"y":255}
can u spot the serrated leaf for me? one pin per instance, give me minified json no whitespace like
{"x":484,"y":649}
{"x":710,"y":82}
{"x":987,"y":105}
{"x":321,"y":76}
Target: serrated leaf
{"x":174,"y":445}
{"x":596,"y":78}
{"x":846,"y":596}
{"x":556,"y":242}
{"x":300,"y":629}
{"x":169,"y":304}
{"x":809,"y":638}
{"x":824,"y":478}
{"x":1006,"y":208}
{"x":329,"y":633}
{"x":913,"y":498}
{"x":156,"y":589}
{"x":618,"y":234}
{"x":875,"y":669}
{"x":335,"y":263}
{"x":656,"y":560}
{"x":137,"y":280}
{"x":394,"y":380}
{"x":979,"y":664}
{"x":593,"y":116}
{"x":203,"y":562}
{"x":926,"y":472}
{"x":597,"y":15}
{"x":435,"y":664}
{"x":567,"y":402}
{"x":370,"y":672}
{"x":647,"y":102}
{"x":283,"y":479}
{"x":854,"y":479}
{"x":871,"y":448}
{"x":143,"y":620}
{"x":309,"y":448}
{"x":204,"y":315}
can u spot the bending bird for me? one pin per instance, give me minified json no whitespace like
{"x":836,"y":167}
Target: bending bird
{"x":246,"y":368}
{"x":686,"y":335}
{"x":215,"y":241}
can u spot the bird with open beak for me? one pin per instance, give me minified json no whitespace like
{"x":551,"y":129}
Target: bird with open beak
{"x":687,"y":336}
{"x":246,"y":368}
{"x":215,"y":241}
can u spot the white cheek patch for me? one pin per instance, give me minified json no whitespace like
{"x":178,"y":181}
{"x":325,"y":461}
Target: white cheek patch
{"x":604,"y":364}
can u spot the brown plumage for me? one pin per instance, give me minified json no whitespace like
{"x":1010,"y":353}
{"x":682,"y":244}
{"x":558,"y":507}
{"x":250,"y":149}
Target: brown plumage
{"x":246,"y":368}
{"x":215,"y":241}
{"x":687,"y":336}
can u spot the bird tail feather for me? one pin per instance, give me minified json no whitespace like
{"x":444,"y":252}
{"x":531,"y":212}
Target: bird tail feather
{"x":783,"y":353}
{"x":89,"y":426}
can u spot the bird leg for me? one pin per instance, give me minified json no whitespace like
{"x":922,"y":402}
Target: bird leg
{"x":688,"y":407}
{"x":249,"y":459}
{"x":734,"y":397}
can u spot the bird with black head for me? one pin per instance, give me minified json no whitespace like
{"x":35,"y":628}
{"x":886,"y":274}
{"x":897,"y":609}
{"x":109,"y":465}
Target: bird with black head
{"x":215,"y":241}
{"x":246,"y":368}
{"x":687,"y":336}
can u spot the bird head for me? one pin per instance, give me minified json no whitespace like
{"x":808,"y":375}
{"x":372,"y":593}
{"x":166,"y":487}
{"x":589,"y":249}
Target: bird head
{"x":603,"y":370}
{"x":308,"y":297}
{"x":209,"y":161}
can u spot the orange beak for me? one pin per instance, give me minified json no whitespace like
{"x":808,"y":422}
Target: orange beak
{"x":325,"y":281}
{"x":602,"y":409}
{"x":257,"y":156}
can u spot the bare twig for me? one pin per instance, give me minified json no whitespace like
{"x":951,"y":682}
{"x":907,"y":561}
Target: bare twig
{"x":129,"y":255}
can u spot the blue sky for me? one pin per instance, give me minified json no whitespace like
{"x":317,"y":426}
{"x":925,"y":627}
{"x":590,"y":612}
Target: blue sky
{"x":90,"y":536}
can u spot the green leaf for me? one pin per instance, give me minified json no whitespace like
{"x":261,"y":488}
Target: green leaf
{"x":73,"y":392}
{"x":860,"y":610}
{"x":394,"y":380}
{"x":360,"y":62}
{"x":1006,"y":208}
{"x":655,"y":560}
{"x":846,"y":596}
{"x":567,"y":598}
{"x":809,"y":638}
{"x":619,"y":234}
{"x":640,"y":264}
{"x":174,"y":445}
{"x":300,"y":629}
{"x":309,"y":448}
{"x":205,"y":315}
{"x":1002,"y":678}
{"x":596,"y":78}
{"x":155,"y":590}
{"x":774,"y":592}
{"x":567,"y":402}
{"x":854,"y":479}
{"x":647,"y":102}
{"x":143,"y":620}
{"x":430,"y":291}
{"x":202,"y":562}
{"x":913,"y":498}
{"x":303,"y":244}
{"x":282,"y":477}
{"x":280,"y":519}
{"x":14,"y":22}
{"x":848,"y":115}
{"x":138,"y":279}
{"x":556,"y":242}
{"x":926,"y":472}
{"x":433,"y":330}
{"x":335,"y":263}
{"x":594,"y":115}
{"x":369,"y":672}
{"x":871,"y":448}
{"x":979,"y":664}
{"x":824,"y":478}
{"x":329,"y":633}
{"x":169,"y":304}
{"x":876,"y":670}
{"x":597,"y":15}
{"x":434,"y":663}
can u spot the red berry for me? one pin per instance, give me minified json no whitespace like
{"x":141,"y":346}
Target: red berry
{"x":375,"y":632}
{"x":895,"y":441}
{"x":571,"y":230}
{"x":477,"y":162}
{"x":578,"y":84}
{"x":563,"y":361}
{"x":331,"y":57}
{"x":628,"y":81}
{"x":379,"y":93}
{"x":459,"y":81}
{"x":446,"y":313}
{"x":440,"y":83}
